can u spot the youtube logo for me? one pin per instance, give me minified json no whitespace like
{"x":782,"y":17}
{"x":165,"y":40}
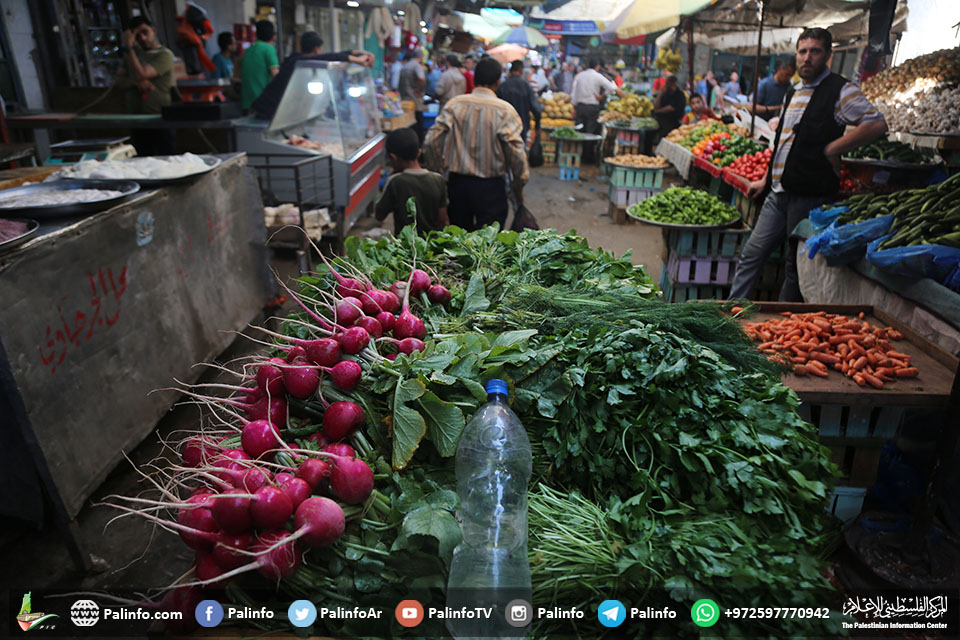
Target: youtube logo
{"x":409,"y":613}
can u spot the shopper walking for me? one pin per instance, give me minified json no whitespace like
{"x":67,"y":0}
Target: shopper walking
{"x":669,"y":106}
{"x":476,"y":141}
{"x":589,"y":88}
{"x":772,"y":90}
{"x":413,"y":84}
{"x":259,"y":64}
{"x":452,"y":82}
{"x":732,"y":87}
{"x":805,"y":171}
{"x":519,"y":93}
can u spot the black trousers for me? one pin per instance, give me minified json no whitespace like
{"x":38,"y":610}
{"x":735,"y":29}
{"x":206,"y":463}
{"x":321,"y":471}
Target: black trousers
{"x":418,"y":126}
{"x":587,"y":115}
{"x":476,"y":202}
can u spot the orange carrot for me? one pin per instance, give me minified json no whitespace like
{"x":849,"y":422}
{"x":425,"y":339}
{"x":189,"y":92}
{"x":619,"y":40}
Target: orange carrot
{"x":873,"y":381}
{"x":800,"y":370}
{"x":860,"y":363}
{"x":859,"y":379}
{"x":908,"y":372}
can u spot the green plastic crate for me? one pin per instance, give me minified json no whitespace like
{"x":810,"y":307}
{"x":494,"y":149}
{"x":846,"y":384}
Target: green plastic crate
{"x":637,"y":178}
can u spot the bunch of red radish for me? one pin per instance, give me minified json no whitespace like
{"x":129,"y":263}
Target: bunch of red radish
{"x":243,"y":497}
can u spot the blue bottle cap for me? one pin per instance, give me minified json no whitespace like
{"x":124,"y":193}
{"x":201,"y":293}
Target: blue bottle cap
{"x":497,"y":386}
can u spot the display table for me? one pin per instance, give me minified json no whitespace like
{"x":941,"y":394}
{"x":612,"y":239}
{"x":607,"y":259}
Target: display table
{"x":930,"y":309}
{"x":678,"y":156}
{"x":100,"y":311}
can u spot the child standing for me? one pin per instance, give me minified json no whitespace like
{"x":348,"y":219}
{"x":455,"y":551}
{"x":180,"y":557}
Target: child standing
{"x":410,"y":180}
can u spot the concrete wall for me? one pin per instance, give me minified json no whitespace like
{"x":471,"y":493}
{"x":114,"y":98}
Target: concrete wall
{"x":23,"y":45}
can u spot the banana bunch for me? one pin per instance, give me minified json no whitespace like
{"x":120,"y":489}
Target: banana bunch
{"x":668,"y":60}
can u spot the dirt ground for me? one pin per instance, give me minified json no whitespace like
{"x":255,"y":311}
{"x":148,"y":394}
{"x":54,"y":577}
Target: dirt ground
{"x":130,"y":553}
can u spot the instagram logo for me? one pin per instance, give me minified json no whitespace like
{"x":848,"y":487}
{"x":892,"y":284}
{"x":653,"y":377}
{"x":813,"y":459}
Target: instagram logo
{"x":409,"y":613}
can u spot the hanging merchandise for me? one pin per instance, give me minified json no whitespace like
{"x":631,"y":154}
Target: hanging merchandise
{"x":380,"y":24}
{"x":396,"y":37}
{"x":412,"y":17}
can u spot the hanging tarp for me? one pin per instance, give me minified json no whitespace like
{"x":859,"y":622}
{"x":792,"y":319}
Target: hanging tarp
{"x":647,"y":16}
{"x":490,"y":22}
{"x":583,"y":10}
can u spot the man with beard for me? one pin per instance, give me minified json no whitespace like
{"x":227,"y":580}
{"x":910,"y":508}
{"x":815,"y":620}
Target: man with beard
{"x":805,"y":171}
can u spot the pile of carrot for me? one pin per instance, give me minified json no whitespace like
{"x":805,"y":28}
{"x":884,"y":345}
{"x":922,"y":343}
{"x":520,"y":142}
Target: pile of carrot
{"x":816,"y":342}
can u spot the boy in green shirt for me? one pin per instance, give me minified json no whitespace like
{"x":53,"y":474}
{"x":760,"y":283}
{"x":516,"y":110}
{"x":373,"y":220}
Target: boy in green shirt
{"x":259,"y":64}
{"x":410,"y":180}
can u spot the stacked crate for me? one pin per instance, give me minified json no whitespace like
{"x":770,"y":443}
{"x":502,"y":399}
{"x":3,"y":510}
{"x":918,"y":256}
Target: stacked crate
{"x":701,"y":265}
{"x":628,"y":141}
{"x":630,"y":185}
{"x":568,"y":159}
{"x":549,"y":151}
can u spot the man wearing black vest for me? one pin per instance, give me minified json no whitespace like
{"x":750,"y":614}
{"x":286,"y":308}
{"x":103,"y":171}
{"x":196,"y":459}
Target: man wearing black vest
{"x":805,"y":171}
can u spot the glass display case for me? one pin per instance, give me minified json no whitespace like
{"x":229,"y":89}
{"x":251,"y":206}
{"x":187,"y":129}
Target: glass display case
{"x":328,"y":107}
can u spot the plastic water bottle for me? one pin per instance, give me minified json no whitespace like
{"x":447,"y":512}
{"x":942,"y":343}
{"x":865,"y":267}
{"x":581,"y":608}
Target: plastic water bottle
{"x":490,"y":567}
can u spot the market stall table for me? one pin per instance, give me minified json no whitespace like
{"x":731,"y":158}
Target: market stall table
{"x":102,"y":310}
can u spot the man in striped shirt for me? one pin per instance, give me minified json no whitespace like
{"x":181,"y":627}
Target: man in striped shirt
{"x":805,"y":172}
{"x":476,"y":141}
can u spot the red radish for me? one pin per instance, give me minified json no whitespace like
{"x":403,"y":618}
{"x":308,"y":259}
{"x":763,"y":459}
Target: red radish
{"x":340,"y":418}
{"x":208,"y":571}
{"x":371,"y":326}
{"x":438,"y":294}
{"x":391,"y":356}
{"x":314,"y":472}
{"x":297,"y":489}
{"x":351,"y":480}
{"x":318,"y":438}
{"x":195,"y":450}
{"x":254,"y":395}
{"x":398,"y":288}
{"x":354,"y":340}
{"x":301,"y":378}
{"x":390,"y":301}
{"x":345,"y":374}
{"x":273,"y":409}
{"x":340,"y":449}
{"x":377,"y":300}
{"x":348,"y":311}
{"x":387,"y":320}
{"x":410,"y":345}
{"x":271,"y":508}
{"x":270,"y":378}
{"x":231,"y":512}
{"x":319,"y":521}
{"x":254,"y":478}
{"x":348,"y":287}
{"x":225,"y":551}
{"x":296,"y":352}
{"x":419,"y":281}
{"x":258,"y":437}
{"x":197,"y":521}
{"x":409,"y":326}
{"x":324,"y":352}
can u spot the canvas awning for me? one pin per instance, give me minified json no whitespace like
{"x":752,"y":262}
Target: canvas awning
{"x":647,"y":16}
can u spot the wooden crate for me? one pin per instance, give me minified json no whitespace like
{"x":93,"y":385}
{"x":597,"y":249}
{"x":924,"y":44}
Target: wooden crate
{"x":406,"y":119}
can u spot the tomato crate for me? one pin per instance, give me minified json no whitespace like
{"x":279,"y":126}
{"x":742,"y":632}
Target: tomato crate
{"x":693,"y":270}
{"x":679,"y":292}
{"x":721,"y":243}
{"x":625,"y":196}
{"x":636,"y":177}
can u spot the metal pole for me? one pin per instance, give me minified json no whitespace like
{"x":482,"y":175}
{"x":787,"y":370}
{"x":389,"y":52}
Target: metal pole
{"x":690,"y":53}
{"x":756,"y":67}
{"x":333,"y":28}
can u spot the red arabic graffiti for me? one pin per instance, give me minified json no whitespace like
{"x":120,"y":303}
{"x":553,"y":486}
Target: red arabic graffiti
{"x":105,"y":294}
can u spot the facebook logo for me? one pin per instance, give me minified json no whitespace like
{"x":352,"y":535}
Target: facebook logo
{"x":209,"y":613}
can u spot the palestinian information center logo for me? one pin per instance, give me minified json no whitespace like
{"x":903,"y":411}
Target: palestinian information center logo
{"x":85,"y":613}
{"x":29,"y":619}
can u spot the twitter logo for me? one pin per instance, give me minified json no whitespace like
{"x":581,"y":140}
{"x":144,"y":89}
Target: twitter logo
{"x":302,"y":613}
{"x":611,"y":613}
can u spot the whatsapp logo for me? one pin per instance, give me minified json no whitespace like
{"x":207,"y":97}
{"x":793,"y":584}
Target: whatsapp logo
{"x":705,"y":613}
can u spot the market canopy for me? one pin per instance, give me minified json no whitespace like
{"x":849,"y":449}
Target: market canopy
{"x":733,"y":26}
{"x":578,"y":17}
{"x":523,"y":36}
{"x":646,"y":16}
{"x":490,"y":23}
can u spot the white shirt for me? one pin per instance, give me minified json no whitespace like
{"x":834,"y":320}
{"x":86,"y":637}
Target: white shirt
{"x":587,"y":85}
{"x":395,"y":69}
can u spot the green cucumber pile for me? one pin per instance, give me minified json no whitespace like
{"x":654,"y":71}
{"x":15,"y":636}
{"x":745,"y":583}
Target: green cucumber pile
{"x":892,"y":150}
{"x":927,"y":216}
{"x":683,"y":205}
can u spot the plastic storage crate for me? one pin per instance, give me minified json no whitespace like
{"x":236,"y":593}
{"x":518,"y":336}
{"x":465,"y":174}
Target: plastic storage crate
{"x":722,"y":243}
{"x":677,"y":292}
{"x":625,"y":196}
{"x":636,"y":178}
{"x":693,"y":270}
{"x":847,"y":502}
